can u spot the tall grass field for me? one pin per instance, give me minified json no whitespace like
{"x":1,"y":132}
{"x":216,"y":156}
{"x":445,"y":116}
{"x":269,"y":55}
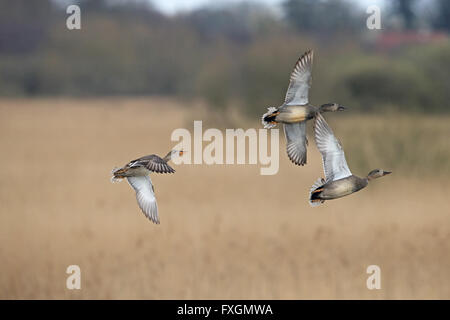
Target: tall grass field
{"x":226,"y":231}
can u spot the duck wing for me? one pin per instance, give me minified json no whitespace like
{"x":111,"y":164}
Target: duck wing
{"x":300,"y":81}
{"x":145,"y":196}
{"x":296,"y":142}
{"x":333,"y":158}
{"x":153,"y":163}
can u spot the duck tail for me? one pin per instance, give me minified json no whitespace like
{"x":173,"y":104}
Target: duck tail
{"x":268,"y":118}
{"x":117,"y":174}
{"x":314,"y":193}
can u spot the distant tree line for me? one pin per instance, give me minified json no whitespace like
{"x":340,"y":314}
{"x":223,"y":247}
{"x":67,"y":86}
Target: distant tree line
{"x":229,"y":55}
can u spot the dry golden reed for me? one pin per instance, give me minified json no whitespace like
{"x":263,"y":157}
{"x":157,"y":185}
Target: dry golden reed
{"x":226,"y":232}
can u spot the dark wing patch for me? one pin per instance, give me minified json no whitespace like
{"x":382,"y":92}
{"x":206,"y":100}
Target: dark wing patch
{"x":153,"y":163}
{"x":158,"y":165}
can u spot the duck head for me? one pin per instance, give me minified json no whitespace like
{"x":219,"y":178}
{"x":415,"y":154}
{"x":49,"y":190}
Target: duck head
{"x":173,"y":154}
{"x":330,"y":107}
{"x":377,"y":173}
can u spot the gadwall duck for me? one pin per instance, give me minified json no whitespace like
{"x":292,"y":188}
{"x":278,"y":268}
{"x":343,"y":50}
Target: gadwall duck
{"x":339,"y":181}
{"x":137,"y":173}
{"x":296,"y":110}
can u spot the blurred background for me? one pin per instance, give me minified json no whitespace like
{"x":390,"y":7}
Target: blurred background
{"x":76,"y":103}
{"x":229,"y":52}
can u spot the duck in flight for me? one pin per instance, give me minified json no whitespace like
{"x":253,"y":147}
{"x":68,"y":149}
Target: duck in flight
{"x":137,"y":173}
{"x":296,"y":110}
{"x":339,"y":181}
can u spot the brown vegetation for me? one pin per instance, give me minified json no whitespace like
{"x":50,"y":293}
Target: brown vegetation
{"x":226,"y":231}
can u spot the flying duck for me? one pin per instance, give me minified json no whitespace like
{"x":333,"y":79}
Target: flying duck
{"x":339,"y":181}
{"x":137,"y":173}
{"x":296,"y":110}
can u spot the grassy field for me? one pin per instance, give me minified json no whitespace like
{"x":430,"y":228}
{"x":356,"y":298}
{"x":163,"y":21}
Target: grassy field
{"x":226,"y":231}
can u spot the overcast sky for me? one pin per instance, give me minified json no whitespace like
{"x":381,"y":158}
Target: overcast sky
{"x":174,"y":6}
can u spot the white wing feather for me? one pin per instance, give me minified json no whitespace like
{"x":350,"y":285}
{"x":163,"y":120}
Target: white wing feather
{"x":145,"y":196}
{"x":296,"y":142}
{"x":300,"y":81}
{"x":333,"y":158}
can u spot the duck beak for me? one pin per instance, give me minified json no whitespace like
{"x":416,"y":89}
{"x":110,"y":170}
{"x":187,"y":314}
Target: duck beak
{"x":341,"y":108}
{"x":386,"y":172}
